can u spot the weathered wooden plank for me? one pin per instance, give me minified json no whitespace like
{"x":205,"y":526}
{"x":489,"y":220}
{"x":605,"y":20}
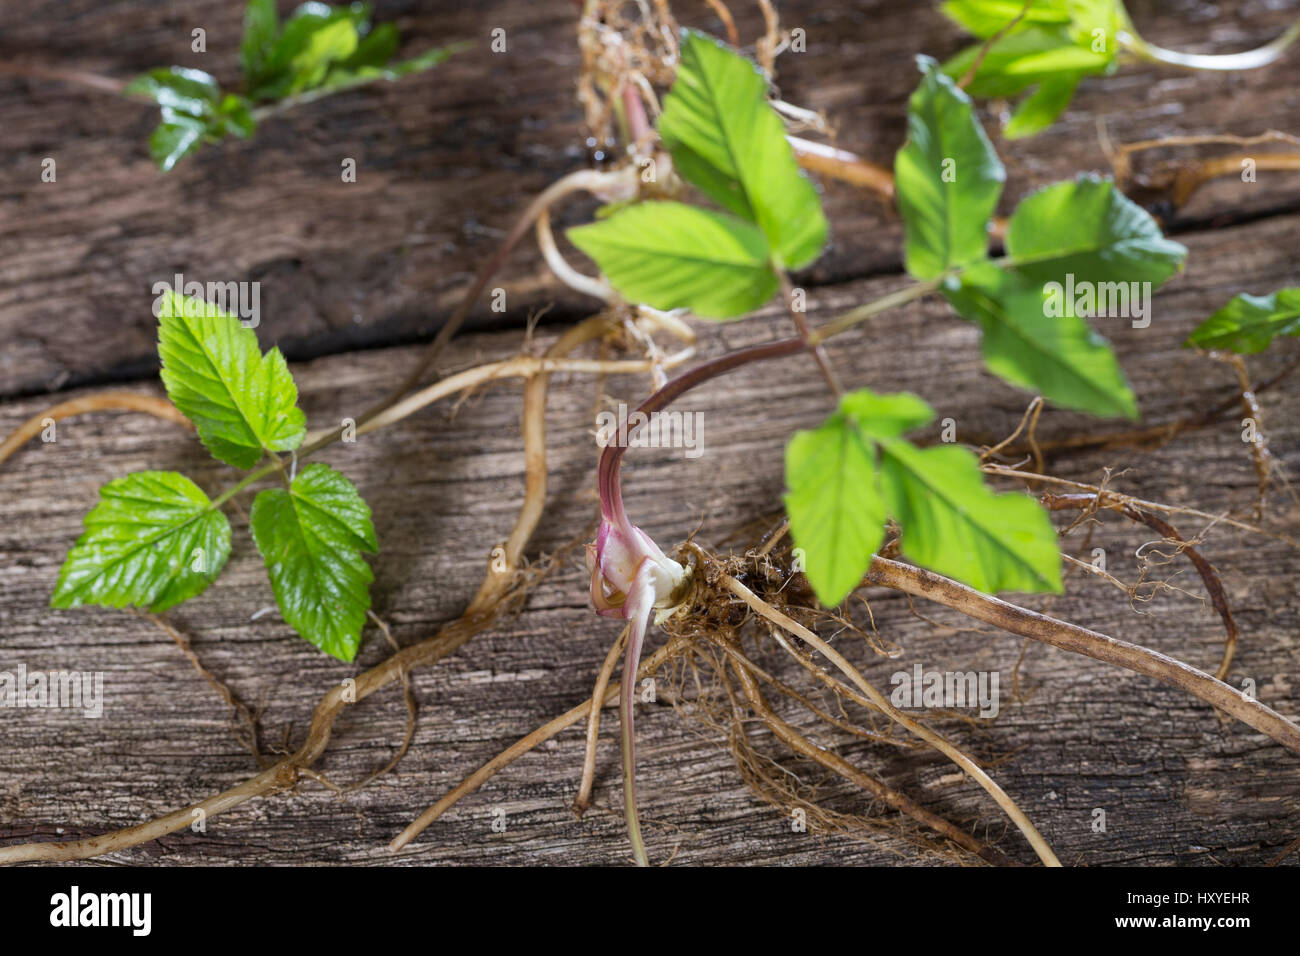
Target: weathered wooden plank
{"x":447,"y":158}
{"x":1177,"y":785}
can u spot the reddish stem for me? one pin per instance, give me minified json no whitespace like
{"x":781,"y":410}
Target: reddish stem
{"x":611,"y":496}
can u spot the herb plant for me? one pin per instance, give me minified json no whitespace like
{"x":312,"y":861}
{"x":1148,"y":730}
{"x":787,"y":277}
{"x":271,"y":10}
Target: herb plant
{"x":156,"y":539}
{"x":855,"y":471}
{"x":711,"y":216}
{"x":319,"y":50}
{"x":847,"y":478}
{"x":1040,"y":50}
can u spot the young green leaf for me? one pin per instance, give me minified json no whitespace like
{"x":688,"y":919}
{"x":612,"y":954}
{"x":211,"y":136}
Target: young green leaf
{"x":846,"y":477}
{"x":320,"y":49}
{"x":1039,"y":109}
{"x":193,"y":112}
{"x":1024,"y":58}
{"x":1096,"y":23}
{"x":882,"y":417}
{"x":1248,"y":323}
{"x":670,"y":255}
{"x":985,"y":18}
{"x":172,"y":140}
{"x":1089,"y":229}
{"x":344,"y":76}
{"x":948,"y":178}
{"x":190,"y":92}
{"x":242,"y":401}
{"x":836,"y":509}
{"x":237,"y":116}
{"x":261,"y":25}
{"x":1057,"y":355}
{"x":726,"y":139}
{"x":1047,"y":47}
{"x":314,"y":38}
{"x":375,"y":48}
{"x":334,"y":42}
{"x":312,"y":538}
{"x":952,"y":523}
{"x":153,"y":541}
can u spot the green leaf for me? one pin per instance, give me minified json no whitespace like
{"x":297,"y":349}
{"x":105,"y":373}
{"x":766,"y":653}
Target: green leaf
{"x":241,"y":400}
{"x":1048,"y":48}
{"x":193,"y":112}
{"x":237,"y":116}
{"x":153,"y":541}
{"x":324,"y":48}
{"x":314,"y":38}
{"x":1039,"y":109}
{"x":948,"y":178}
{"x":341,"y":78}
{"x":374,"y":49}
{"x":1087,"y":16}
{"x":191,"y":92}
{"x":726,"y":139}
{"x":836,"y":509}
{"x":415,"y":64}
{"x":670,"y":255}
{"x":885,"y":416}
{"x":312,"y":538}
{"x":1089,"y":229}
{"x":984,"y":18}
{"x":1058,"y":356}
{"x":321,"y":48}
{"x":847,"y":477}
{"x":952,"y":523}
{"x":1248,"y":323}
{"x":170,"y":142}
{"x":1024,"y":58}
{"x":332,"y":43}
{"x":261,"y":25}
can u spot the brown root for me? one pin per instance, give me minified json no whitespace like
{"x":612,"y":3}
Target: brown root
{"x":97,"y":402}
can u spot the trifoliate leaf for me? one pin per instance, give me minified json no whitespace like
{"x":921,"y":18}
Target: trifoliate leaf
{"x":1248,"y":323}
{"x":192,"y":112}
{"x":726,"y":139}
{"x":321,"y":49}
{"x":1045,"y":47}
{"x":952,"y":523}
{"x":1028,"y":344}
{"x":1088,"y":229}
{"x":847,"y":477}
{"x":243,"y":402}
{"x":312,"y":538}
{"x":153,"y":541}
{"x":670,"y":255}
{"x":948,"y":178}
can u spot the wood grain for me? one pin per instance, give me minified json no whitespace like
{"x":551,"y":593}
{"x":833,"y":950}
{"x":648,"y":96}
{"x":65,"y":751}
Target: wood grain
{"x":447,"y":157}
